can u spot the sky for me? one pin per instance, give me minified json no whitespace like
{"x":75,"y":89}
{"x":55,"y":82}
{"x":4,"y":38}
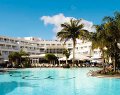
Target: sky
{"x":42,"y":18}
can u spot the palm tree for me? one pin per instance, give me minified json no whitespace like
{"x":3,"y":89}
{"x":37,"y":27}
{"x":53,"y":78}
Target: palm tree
{"x":73,"y":30}
{"x":99,"y":40}
{"x":23,"y":53}
{"x":113,"y":30}
{"x":14,"y":57}
{"x":108,"y":35}
{"x":17,"y":59}
{"x":67,"y":54}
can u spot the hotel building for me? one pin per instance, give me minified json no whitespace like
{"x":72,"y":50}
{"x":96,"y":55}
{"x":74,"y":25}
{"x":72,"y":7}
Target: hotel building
{"x":36,"y":46}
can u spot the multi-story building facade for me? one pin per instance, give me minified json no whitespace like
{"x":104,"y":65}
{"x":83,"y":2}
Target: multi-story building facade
{"x":36,"y":46}
{"x":31,"y":45}
{"x":85,"y":48}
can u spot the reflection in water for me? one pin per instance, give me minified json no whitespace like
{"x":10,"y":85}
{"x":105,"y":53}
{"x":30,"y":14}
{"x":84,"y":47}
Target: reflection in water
{"x":32,"y":77}
{"x":10,"y":86}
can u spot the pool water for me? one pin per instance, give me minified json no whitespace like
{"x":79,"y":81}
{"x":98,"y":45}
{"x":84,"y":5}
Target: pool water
{"x":56,"y":81}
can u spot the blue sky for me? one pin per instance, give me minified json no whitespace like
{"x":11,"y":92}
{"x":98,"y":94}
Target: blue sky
{"x":20,"y":18}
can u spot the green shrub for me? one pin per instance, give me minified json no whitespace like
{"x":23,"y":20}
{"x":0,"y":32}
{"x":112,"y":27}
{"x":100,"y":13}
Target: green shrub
{"x":26,"y":65}
{"x":66,"y":66}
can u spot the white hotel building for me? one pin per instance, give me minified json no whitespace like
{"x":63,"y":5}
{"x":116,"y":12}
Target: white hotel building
{"x":36,"y":46}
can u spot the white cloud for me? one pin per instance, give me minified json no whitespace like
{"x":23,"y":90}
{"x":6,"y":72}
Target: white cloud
{"x":88,"y":25}
{"x":58,"y":19}
{"x":55,"y":20}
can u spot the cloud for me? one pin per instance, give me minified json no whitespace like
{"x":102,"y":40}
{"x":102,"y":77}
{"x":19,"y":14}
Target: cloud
{"x":88,"y":25}
{"x":55,"y":20}
{"x":58,"y":19}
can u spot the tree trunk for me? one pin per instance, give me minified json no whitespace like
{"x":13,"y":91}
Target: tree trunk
{"x":66,"y":61}
{"x":115,"y":57}
{"x":103,"y":64}
{"x":114,"y":65}
{"x":73,"y":52}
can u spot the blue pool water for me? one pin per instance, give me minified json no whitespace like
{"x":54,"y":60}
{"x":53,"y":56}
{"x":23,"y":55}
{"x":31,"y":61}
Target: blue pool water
{"x":56,"y":81}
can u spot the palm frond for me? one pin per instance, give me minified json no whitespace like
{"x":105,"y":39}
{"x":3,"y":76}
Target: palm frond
{"x":108,"y":19}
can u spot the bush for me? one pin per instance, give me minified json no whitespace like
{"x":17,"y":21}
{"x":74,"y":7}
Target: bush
{"x":26,"y":65}
{"x":66,"y":66}
{"x":17,"y":65}
{"x":106,"y":72}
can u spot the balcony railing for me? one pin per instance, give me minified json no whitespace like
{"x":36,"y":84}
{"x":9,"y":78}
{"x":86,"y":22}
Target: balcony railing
{"x":8,"y":48}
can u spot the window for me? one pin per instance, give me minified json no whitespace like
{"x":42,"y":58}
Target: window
{"x":58,"y":44}
{"x":69,"y":45}
{"x":47,"y":44}
{"x":42,"y":44}
{"x":53,"y":44}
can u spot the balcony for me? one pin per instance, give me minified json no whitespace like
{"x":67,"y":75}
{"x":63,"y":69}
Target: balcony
{"x":8,"y":48}
{"x":31,"y":50}
{"x":8,"y":42}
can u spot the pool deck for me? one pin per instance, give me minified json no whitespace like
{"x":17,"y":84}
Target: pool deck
{"x":6,"y":69}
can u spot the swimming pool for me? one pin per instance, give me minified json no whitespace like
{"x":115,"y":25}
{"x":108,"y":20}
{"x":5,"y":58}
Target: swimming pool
{"x":56,"y":81}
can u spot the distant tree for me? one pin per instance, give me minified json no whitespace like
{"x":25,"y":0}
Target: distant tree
{"x":17,"y":58}
{"x":50,"y":57}
{"x":23,"y":56}
{"x":66,"y":52}
{"x":14,"y":57}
